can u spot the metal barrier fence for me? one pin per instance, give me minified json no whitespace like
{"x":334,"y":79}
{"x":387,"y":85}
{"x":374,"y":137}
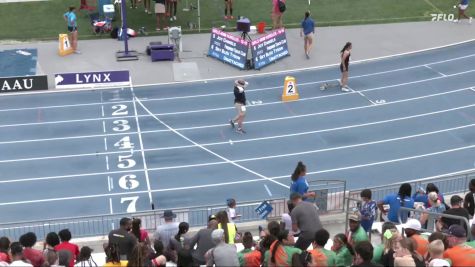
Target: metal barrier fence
{"x":102,"y":224}
{"x":433,"y":216}
{"x":452,"y":184}
{"x":330,"y":195}
{"x":329,"y":198}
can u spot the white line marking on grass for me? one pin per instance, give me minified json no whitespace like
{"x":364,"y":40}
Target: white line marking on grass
{"x":147,"y":179}
{"x":206,"y":149}
{"x":438,"y":72}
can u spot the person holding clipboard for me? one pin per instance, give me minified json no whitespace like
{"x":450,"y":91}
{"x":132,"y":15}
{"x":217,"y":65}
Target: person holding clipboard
{"x":240,"y":104}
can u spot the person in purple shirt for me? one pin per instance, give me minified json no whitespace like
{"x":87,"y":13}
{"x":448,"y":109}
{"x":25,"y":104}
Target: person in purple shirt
{"x":307,"y":31}
{"x":299,"y":182}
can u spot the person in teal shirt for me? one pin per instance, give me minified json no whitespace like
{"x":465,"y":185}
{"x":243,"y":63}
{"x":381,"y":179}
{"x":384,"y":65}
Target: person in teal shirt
{"x":343,"y":250}
{"x":71,"y":20}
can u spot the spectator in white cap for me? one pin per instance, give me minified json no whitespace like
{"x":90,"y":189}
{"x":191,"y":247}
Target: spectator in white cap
{"x":239,"y":104}
{"x":223,"y":254}
{"x":167,"y":230}
{"x":357,"y":232}
{"x":412,"y":229}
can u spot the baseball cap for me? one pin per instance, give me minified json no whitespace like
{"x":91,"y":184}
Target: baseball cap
{"x":355,"y":217}
{"x":457,"y":231}
{"x":212,"y":217}
{"x":168,"y":214}
{"x":413,"y":224}
{"x":455,"y":199}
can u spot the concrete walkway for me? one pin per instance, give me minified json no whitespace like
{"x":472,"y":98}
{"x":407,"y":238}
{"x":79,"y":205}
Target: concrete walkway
{"x":369,"y":41}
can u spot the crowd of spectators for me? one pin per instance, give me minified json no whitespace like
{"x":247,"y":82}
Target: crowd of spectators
{"x":299,"y":239}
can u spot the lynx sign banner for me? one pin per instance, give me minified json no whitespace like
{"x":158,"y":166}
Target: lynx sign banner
{"x":23,"y":83}
{"x":92,"y":79}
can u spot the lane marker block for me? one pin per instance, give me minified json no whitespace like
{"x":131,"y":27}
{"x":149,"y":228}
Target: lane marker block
{"x":65,"y":47}
{"x":290,"y":92}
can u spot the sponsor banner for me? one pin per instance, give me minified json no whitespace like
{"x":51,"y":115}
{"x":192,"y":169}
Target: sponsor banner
{"x":23,"y":83}
{"x":269,"y":48}
{"x":264,"y":209}
{"x":228,"y":48}
{"x":92,"y":79}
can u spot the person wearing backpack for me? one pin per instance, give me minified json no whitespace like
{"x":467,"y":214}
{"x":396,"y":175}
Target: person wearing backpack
{"x":278,"y":9}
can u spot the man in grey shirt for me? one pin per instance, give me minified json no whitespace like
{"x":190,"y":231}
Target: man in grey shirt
{"x":306,"y":219}
{"x":203,"y":242}
{"x":223,"y":254}
{"x":167,"y":230}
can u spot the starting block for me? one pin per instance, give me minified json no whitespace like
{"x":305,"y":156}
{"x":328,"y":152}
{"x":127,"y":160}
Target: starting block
{"x":65,"y":47}
{"x":290,"y":92}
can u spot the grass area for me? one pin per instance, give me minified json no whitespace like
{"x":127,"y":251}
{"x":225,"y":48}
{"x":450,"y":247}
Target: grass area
{"x":43,"y":20}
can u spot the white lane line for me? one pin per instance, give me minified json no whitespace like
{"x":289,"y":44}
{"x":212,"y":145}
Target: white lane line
{"x":249,"y":122}
{"x":313,"y":151}
{"x":268,"y":190}
{"x":255,"y":139}
{"x":438,"y":72}
{"x":102,"y":108}
{"x":249,"y":90}
{"x":107,"y":162}
{"x":319,"y":131}
{"x":111,"y":209}
{"x":362,"y":95}
{"x":109,"y":187}
{"x":103,"y":126}
{"x":473,"y":89}
{"x":206,"y":149}
{"x":286,"y":176}
{"x":255,"y":74}
{"x":105,"y":143}
{"x":227,"y":107}
{"x":144,"y":160}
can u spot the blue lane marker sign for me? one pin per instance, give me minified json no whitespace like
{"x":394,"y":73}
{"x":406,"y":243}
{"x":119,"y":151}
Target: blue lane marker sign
{"x":264,"y":209}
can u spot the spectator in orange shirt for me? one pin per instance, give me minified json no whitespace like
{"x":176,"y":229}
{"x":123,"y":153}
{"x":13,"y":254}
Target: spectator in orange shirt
{"x":459,"y":253}
{"x":65,"y":236}
{"x":411,"y":229}
{"x":249,"y":257}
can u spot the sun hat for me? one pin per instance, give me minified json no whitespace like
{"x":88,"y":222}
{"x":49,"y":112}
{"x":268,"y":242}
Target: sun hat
{"x":356,"y":217}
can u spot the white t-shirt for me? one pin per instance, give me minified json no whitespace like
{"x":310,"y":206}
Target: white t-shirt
{"x":20,"y":264}
{"x":439,"y":263}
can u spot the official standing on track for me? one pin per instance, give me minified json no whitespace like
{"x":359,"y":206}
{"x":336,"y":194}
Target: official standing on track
{"x":307,"y":32}
{"x":240,"y":104}
{"x":345,"y":63}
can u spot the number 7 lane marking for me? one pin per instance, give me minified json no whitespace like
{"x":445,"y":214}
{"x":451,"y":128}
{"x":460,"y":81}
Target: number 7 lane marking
{"x":147,"y":179}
